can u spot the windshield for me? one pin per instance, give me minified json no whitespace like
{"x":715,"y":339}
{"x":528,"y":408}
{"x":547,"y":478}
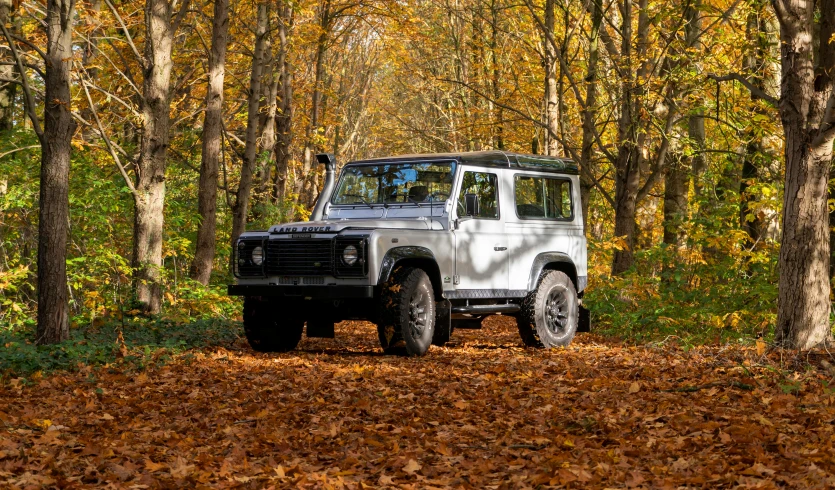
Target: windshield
{"x":395,"y":183}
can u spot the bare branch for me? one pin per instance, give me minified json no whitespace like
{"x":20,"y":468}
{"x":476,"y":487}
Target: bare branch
{"x":180,"y":15}
{"x":114,"y":97}
{"x":127,"y":33}
{"x":29,"y":100}
{"x":773,"y":101}
{"x":106,"y":139}
{"x":105,"y":56}
{"x":32,"y":147}
{"x":27,"y":65}
{"x":30,"y":44}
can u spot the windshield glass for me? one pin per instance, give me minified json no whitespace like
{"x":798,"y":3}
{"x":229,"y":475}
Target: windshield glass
{"x":395,"y":183}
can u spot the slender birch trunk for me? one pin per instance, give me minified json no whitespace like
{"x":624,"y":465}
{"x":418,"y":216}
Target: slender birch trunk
{"x":150,"y":183}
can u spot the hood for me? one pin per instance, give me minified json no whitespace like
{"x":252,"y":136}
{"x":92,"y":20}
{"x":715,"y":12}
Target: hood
{"x":337,"y":226}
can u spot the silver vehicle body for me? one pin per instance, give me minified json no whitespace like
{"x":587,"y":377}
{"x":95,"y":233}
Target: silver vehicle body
{"x":467,"y":258}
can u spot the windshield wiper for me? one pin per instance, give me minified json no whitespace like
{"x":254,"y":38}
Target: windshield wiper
{"x":413,"y":201}
{"x":362,"y":199}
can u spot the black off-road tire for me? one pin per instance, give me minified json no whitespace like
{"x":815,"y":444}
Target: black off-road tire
{"x":550,"y":313}
{"x":407,"y":312}
{"x":268,"y":328}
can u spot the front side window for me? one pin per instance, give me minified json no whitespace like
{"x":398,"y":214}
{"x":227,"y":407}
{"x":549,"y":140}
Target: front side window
{"x":395,"y":183}
{"x":483,"y":185}
{"x":543,"y":197}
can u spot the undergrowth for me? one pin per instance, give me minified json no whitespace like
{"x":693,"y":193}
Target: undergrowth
{"x":691,"y":298}
{"x":133,"y":344}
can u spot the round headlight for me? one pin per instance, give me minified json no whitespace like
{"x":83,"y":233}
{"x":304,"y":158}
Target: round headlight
{"x":257,"y":255}
{"x":350,"y":255}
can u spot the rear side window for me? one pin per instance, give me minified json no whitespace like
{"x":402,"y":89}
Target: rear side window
{"x":543,"y":197}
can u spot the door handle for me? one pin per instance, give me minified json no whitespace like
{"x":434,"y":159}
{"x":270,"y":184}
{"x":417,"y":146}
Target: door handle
{"x":499,"y":249}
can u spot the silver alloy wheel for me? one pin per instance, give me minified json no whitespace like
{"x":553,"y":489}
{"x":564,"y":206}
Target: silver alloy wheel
{"x":556,"y":311}
{"x":417,"y":313}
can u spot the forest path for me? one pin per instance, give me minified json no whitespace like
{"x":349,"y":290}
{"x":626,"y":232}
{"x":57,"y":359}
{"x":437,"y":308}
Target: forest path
{"x":481,"y":413}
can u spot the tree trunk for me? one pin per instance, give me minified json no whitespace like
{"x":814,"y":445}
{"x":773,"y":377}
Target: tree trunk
{"x":831,"y":225}
{"x":201,"y":267}
{"x":268,"y":139}
{"x":676,"y":186}
{"x":755,"y":63}
{"x":305,"y":186}
{"x":677,"y":176}
{"x":284,"y":117}
{"x":590,"y":112}
{"x":806,"y":110}
{"x":627,"y":171}
{"x":552,"y":108}
{"x":150,"y":182}
{"x":496,"y":72}
{"x":53,"y":225}
{"x":241,"y":206}
{"x":698,"y":164}
{"x":7,"y":90}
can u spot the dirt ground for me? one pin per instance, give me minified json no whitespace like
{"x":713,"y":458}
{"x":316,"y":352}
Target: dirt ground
{"x":483,"y":412}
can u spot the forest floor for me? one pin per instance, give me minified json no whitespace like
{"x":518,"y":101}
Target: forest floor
{"x":482,"y":412}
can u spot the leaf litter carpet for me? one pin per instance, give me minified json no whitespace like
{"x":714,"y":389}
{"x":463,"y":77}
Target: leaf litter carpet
{"x":483,"y":412}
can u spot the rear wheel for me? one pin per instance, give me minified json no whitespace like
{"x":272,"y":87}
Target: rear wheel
{"x":550,"y":313}
{"x":269,"y":328}
{"x":407,"y":312}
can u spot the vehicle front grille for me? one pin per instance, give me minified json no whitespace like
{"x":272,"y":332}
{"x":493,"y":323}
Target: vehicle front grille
{"x":300,"y":257}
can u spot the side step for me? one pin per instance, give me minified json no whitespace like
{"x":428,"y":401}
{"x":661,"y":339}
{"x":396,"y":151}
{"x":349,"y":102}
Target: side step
{"x":486,"y":309}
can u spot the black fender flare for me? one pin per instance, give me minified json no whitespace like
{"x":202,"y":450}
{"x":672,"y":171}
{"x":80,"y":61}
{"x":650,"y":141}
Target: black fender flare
{"x":396,"y":254}
{"x":545,"y":258}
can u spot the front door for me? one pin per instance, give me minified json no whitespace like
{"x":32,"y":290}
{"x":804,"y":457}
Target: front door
{"x":481,"y":255}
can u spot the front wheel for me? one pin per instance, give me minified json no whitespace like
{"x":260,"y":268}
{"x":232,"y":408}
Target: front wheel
{"x":267,"y":330}
{"x":407,"y":316}
{"x":550,"y":313}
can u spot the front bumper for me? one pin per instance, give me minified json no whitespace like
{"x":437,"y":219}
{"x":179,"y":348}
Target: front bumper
{"x":303,"y":292}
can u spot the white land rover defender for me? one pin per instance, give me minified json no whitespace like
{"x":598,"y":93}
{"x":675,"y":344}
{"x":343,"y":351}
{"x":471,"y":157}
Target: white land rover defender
{"x":421,"y":245}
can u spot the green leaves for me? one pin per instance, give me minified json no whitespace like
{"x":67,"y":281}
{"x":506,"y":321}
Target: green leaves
{"x":146,"y":341}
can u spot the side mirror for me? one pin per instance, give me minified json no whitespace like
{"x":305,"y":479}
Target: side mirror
{"x":471,"y":204}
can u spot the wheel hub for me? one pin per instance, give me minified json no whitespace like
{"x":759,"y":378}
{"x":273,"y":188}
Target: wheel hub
{"x":556,"y":311}
{"x":417,"y":313}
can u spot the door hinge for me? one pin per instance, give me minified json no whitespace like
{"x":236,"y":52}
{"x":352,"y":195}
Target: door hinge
{"x":456,"y":279}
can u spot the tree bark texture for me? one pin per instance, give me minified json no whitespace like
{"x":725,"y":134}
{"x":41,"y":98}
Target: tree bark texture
{"x":266,"y":156}
{"x":7,"y":96}
{"x":307,"y":181}
{"x":676,"y":186}
{"x":150,"y":183}
{"x":284,"y":116}
{"x":590,"y":111}
{"x":627,"y":170}
{"x":696,"y":120}
{"x":806,"y":110}
{"x":201,"y":267}
{"x":59,"y":126}
{"x":831,"y":225}
{"x":7,"y":90}
{"x":755,"y":63}
{"x":677,"y":176}
{"x":241,"y":206}
{"x":552,"y":107}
